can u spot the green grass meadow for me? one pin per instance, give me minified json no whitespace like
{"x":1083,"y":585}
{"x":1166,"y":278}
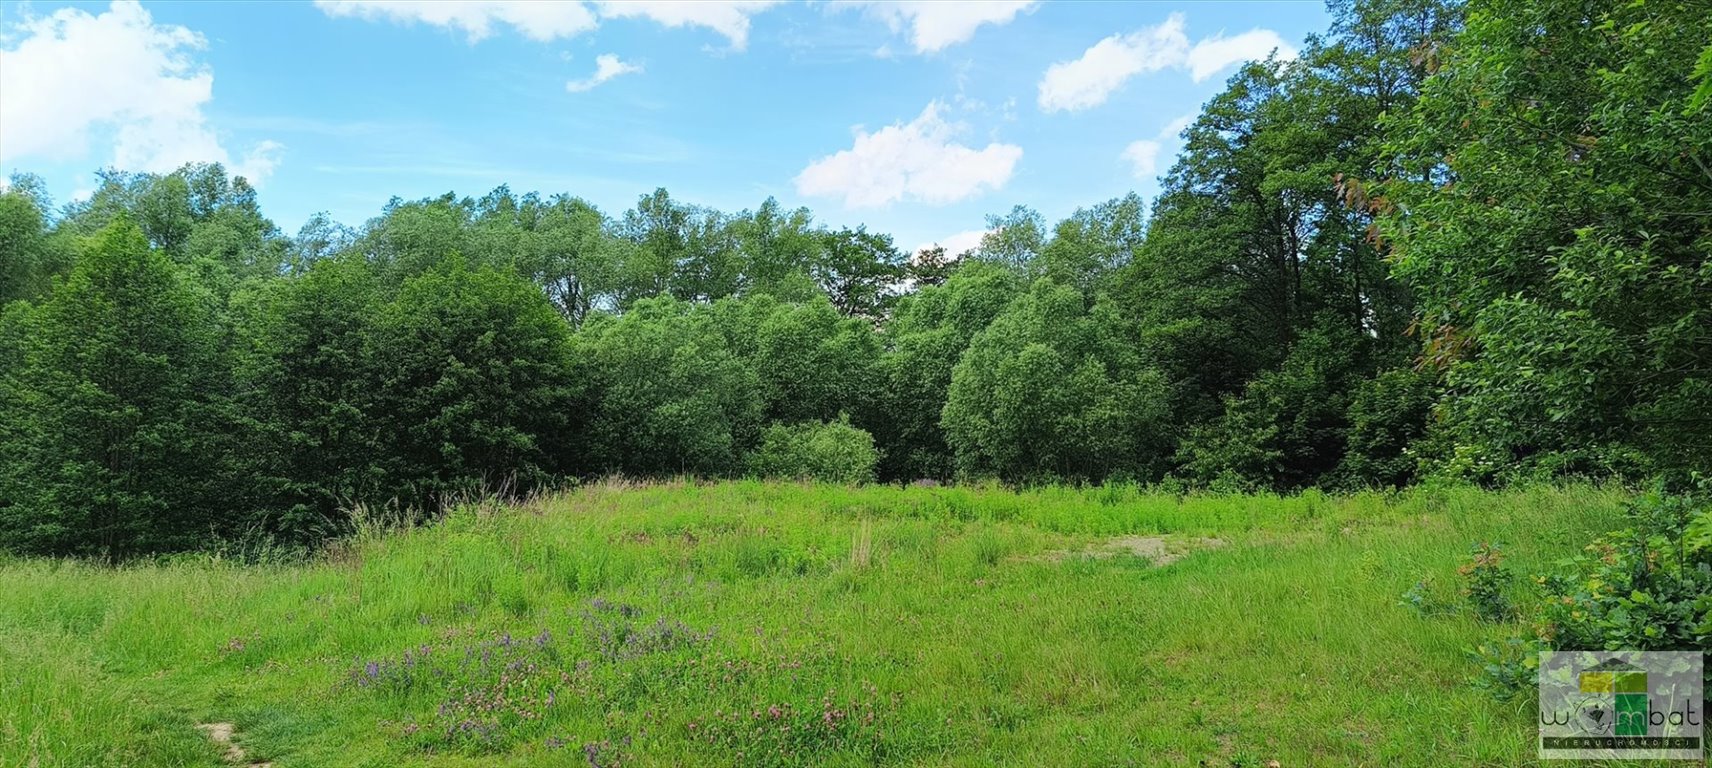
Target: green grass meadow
{"x":778,"y":624}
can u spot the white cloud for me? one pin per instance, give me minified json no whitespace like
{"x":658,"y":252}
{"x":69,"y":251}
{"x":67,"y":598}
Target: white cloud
{"x":1213,"y":54}
{"x":917,"y":161}
{"x":956,"y":244}
{"x":1088,"y":81}
{"x":535,"y":19}
{"x":1176,"y":127}
{"x":259,"y":162}
{"x":72,"y":74}
{"x":606,"y":67}
{"x":546,"y":20}
{"x":1143,"y":157}
{"x":939,"y":24}
{"x":1143,"y":154}
{"x":727,"y":17}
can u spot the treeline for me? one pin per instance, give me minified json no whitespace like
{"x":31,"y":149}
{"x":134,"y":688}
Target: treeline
{"x":1469,"y":242}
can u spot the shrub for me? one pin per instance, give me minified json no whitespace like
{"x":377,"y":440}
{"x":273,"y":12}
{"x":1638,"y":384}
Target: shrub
{"x":1486,"y":578}
{"x":1387,"y":415}
{"x":833,"y":452}
{"x":1645,"y":587}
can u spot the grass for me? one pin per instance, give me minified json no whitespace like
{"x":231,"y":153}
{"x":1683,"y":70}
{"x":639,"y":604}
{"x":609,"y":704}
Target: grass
{"x":747,"y":623}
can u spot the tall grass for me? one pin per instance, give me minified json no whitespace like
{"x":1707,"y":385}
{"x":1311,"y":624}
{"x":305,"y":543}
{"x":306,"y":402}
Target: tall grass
{"x":754,"y":623}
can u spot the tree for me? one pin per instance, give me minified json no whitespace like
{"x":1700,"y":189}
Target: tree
{"x":930,"y":267}
{"x":117,"y":411}
{"x":924,"y":340}
{"x":779,"y":249}
{"x":29,"y":256}
{"x":1552,"y":207}
{"x":476,"y":388}
{"x":671,"y":395}
{"x":198,"y":216}
{"x":1014,"y":239}
{"x":1087,"y":248}
{"x":562,"y":244}
{"x":812,"y":362}
{"x":1052,"y":389}
{"x":408,"y":239}
{"x":1288,"y":429}
{"x":855,"y":269}
{"x":309,"y":383}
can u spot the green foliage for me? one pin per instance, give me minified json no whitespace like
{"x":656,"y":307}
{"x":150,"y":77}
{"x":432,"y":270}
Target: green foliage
{"x":462,"y":381}
{"x":1643,"y":587}
{"x":1647,"y":586}
{"x":1464,"y":242}
{"x":813,"y":363}
{"x":830,"y":452}
{"x":671,"y":395}
{"x":29,"y":255}
{"x":926,"y":337}
{"x":308,"y":384}
{"x":117,"y":411}
{"x":1288,"y":429}
{"x":1388,"y":415}
{"x":855,"y":269}
{"x":1485,"y":581}
{"x":1051,"y":389}
{"x":1550,"y":209}
{"x":476,"y":389}
{"x":202,"y":219}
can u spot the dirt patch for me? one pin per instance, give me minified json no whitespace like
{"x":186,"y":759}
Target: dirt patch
{"x":221,"y":735}
{"x":1161,"y":550}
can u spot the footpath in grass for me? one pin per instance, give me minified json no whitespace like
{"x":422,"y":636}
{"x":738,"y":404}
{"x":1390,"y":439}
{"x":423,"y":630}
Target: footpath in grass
{"x":770,"y":624}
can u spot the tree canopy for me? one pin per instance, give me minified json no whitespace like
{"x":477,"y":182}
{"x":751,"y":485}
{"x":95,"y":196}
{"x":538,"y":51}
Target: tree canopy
{"x":1446,"y":240}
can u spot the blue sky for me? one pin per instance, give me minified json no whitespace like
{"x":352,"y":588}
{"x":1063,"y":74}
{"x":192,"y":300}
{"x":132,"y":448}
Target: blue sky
{"x":914,"y":118}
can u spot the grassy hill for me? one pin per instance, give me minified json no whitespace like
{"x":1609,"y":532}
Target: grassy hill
{"x":769,"y":624}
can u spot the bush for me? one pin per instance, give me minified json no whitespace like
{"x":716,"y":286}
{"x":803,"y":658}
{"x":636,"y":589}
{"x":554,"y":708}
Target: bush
{"x":1388,"y":414}
{"x":1485,"y":579}
{"x":833,"y":452}
{"x":1645,"y":587}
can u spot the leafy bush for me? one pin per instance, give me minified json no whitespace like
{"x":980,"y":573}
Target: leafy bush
{"x":1645,"y":587}
{"x":1486,"y":578}
{"x":833,"y":452}
{"x":1388,"y":414}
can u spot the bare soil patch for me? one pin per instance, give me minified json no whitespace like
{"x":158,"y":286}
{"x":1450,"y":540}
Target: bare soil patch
{"x":221,"y":735}
{"x":1161,"y":550}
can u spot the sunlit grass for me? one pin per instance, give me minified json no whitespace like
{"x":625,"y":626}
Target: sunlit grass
{"x":749,"y":623}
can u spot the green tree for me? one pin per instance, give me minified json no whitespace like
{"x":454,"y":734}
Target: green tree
{"x":1052,"y":389}
{"x":117,"y":411}
{"x":476,"y":383}
{"x":1552,"y":207}
{"x":671,"y":396}
{"x":308,"y":384}
{"x":197,"y":215}
{"x":779,"y":249}
{"x":1288,"y":429}
{"x":29,"y":254}
{"x":812,"y":362}
{"x":1095,"y":242}
{"x":924,"y":340}
{"x":856,"y":269}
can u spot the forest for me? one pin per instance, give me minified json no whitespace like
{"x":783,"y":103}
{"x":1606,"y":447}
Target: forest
{"x":1445,"y":241}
